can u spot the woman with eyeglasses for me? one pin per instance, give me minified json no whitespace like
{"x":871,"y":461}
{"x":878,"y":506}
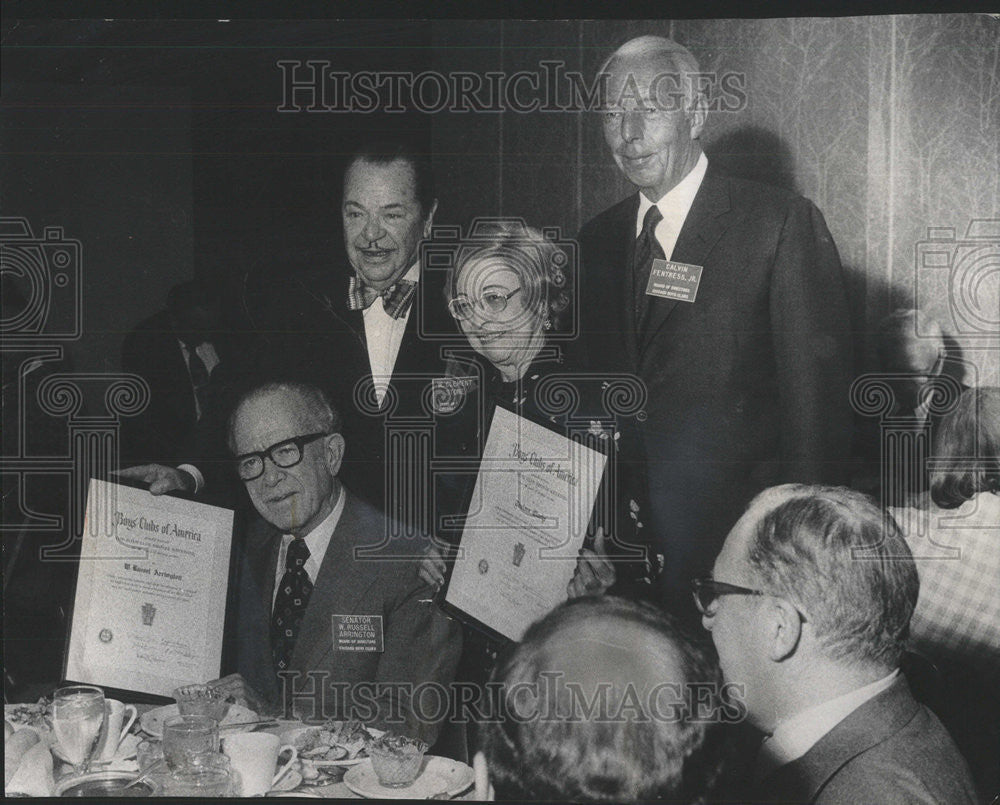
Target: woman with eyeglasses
{"x":511,"y":294}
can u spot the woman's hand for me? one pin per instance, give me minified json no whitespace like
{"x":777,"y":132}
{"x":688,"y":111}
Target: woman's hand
{"x":594,"y":572}
{"x":432,"y":567}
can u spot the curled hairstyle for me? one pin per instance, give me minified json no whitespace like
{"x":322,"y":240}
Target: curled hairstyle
{"x":388,"y":150}
{"x":844,"y":563}
{"x":602,"y":759}
{"x":970,"y":431}
{"x":544,"y":270}
{"x":317,"y":405}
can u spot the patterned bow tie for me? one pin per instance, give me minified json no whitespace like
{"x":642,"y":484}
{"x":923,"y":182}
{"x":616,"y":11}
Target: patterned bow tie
{"x":396,"y":299}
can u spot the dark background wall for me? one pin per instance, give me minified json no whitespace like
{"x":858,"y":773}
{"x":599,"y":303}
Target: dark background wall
{"x":159,"y":146}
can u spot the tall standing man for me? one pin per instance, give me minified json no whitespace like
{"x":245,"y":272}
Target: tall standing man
{"x":726,"y":298}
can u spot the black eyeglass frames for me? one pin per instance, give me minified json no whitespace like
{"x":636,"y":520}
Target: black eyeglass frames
{"x":284,"y":454}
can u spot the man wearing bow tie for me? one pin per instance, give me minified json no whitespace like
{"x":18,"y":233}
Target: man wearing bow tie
{"x":361,"y":335}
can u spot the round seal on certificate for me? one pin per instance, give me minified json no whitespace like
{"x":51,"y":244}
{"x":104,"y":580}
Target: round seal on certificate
{"x":105,"y":636}
{"x":484,"y":566}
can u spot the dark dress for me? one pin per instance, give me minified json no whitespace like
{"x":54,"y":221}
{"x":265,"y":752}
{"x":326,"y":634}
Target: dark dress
{"x":573,"y":404}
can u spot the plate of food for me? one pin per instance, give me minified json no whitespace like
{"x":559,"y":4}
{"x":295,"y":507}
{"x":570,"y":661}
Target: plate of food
{"x":37,"y":716}
{"x":151,"y":722}
{"x":335,"y":743}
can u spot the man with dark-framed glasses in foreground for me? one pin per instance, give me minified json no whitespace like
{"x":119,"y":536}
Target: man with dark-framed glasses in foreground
{"x":302,"y":579}
{"x":809,"y":607}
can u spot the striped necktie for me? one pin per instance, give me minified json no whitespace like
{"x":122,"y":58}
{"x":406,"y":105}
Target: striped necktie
{"x":647,"y":249}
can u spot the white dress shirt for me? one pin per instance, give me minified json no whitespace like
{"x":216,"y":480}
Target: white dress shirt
{"x":317,"y":542}
{"x":674,"y":207}
{"x":795,"y":736}
{"x":384,"y":335}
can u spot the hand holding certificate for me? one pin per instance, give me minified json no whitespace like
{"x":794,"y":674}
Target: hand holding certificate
{"x":531,"y":507}
{"x":151,"y":591}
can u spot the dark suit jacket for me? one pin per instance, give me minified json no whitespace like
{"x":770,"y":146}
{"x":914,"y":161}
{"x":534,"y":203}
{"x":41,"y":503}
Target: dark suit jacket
{"x":748,"y":385}
{"x":312,"y":335}
{"x":420,"y":644}
{"x":168,"y":430}
{"x":890,"y":751}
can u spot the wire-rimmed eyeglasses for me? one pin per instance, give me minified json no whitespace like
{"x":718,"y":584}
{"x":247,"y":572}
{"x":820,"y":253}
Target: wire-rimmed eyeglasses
{"x":492,"y":302}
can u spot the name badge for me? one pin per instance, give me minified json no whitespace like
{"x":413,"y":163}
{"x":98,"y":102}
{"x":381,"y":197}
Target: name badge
{"x":670,"y":280}
{"x":357,"y":633}
{"x":448,"y":393}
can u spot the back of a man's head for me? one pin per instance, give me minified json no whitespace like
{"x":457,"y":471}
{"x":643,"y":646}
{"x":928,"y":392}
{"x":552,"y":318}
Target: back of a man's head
{"x":844,"y":563}
{"x":605,"y":700}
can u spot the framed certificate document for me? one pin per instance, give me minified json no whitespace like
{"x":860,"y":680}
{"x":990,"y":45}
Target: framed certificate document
{"x":151,"y":591}
{"x":527,"y":522}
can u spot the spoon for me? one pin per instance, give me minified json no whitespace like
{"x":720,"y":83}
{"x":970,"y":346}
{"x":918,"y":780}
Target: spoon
{"x":145,"y":774}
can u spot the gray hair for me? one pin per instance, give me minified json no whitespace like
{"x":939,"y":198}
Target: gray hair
{"x":835,"y":554}
{"x":317,"y":404}
{"x":683,"y":61}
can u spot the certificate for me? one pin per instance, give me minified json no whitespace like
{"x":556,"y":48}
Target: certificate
{"x":151,"y":591}
{"x":527,"y":522}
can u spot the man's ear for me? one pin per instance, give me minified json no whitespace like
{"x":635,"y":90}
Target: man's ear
{"x":785,"y":629}
{"x":429,"y":220}
{"x":484,"y":791}
{"x":335,"y":446}
{"x":697,"y":113}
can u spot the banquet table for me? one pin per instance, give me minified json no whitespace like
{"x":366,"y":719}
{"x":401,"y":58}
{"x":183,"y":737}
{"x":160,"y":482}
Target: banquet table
{"x":126,"y":761}
{"x":337,"y":790}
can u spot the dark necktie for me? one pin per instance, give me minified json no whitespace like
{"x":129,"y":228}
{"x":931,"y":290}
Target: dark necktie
{"x":396,"y":299}
{"x":290,"y":604}
{"x":647,"y":249}
{"x":199,"y":378}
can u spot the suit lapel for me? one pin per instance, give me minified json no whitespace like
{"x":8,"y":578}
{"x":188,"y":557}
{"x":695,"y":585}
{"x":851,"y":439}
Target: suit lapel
{"x":611,"y":275}
{"x":873,"y":722}
{"x":704,"y":225}
{"x":263,"y":544}
{"x":340,"y":587}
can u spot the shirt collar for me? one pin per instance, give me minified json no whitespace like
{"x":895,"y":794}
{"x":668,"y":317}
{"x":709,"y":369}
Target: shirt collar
{"x":795,"y":736}
{"x":413,"y":273}
{"x":318,"y":539}
{"x":675,"y":204}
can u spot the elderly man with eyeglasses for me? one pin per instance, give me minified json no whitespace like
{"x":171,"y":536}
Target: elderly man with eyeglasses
{"x":318,"y":627}
{"x":809,"y":607}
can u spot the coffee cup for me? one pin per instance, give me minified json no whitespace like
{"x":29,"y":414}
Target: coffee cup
{"x":255,"y":755}
{"x":118,"y":719}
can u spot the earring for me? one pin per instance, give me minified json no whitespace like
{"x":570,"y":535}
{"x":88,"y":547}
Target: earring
{"x":547,"y":324}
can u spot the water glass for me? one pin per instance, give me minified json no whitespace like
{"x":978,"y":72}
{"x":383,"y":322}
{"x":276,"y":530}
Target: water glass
{"x":148,"y":753}
{"x":188,"y":737}
{"x":77,"y":717}
{"x":206,"y":776}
